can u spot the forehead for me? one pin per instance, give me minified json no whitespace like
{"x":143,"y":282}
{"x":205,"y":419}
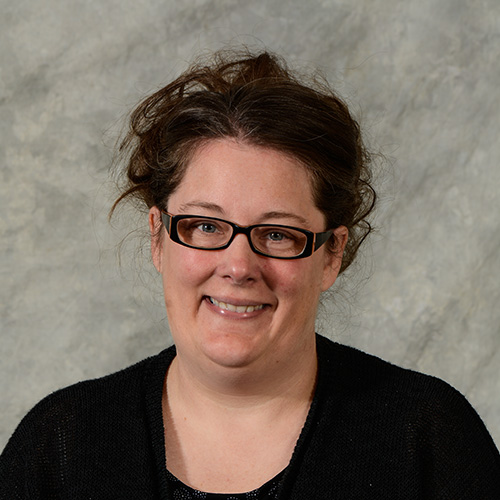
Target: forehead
{"x":244,"y":181}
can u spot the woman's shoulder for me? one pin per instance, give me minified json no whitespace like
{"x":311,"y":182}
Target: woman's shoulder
{"x":87,"y":405}
{"x":393,"y":418}
{"x":355,"y":369}
{"x":121,"y":387}
{"x":98,"y":421}
{"x":400,"y":398}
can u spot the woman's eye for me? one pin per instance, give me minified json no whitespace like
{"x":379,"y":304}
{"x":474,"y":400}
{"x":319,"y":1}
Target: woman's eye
{"x":279,"y":236}
{"x":276,"y":236}
{"x":207,"y":227}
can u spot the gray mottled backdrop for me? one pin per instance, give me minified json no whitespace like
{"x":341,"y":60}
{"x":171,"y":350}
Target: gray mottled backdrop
{"x":424,"y":79}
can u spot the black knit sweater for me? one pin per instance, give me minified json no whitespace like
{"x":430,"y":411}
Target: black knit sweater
{"x":374,"y":431}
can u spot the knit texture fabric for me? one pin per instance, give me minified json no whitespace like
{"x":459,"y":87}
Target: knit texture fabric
{"x":374,"y":431}
{"x":268,"y":491}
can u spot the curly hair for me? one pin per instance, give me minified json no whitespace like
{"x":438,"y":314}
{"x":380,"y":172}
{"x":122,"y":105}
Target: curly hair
{"x":255,"y":99}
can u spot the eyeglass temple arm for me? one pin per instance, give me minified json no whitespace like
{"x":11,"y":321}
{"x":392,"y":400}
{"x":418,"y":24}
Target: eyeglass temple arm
{"x":322,"y":238}
{"x":167,"y":219}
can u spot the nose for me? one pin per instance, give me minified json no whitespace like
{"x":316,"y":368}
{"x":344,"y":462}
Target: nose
{"x":238,"y":261}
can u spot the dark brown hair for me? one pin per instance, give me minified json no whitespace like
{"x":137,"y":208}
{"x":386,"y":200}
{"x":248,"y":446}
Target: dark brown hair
{"x":257,"y":100}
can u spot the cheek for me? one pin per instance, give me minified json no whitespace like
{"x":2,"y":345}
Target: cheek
{"x":185,"y":268}
{"x":298,"y":280}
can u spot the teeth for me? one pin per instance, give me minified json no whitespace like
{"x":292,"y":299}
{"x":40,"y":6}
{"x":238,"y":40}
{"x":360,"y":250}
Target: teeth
{"x":233,"y":308}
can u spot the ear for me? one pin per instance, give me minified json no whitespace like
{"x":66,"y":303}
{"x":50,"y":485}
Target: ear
{"x":333,"y":260}
{"x":156,"y":237}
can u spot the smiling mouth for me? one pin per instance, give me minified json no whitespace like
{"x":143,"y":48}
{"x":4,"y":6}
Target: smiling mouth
{"x":233,"y":308}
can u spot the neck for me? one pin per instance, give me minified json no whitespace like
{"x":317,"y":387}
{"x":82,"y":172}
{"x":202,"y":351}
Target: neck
{"x":233,"y":429}
{"x":201,"y":388}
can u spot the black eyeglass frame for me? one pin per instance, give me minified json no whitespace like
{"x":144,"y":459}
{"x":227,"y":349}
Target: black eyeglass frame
{"x":313,"y":240}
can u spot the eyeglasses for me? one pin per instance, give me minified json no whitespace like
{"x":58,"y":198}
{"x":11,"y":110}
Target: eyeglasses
{"x":271,"y":240}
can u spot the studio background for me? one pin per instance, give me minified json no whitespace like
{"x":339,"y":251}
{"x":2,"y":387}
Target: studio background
{"x":423,"y":79}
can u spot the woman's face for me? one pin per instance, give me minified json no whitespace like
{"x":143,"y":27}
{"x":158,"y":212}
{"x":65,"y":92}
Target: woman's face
{"x":276,"y":299}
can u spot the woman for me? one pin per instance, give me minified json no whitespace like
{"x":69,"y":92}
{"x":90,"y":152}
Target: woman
{"x":258,"y":191}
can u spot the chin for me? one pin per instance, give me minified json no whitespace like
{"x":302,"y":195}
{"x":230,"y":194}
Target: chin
{"x":232,"y":350}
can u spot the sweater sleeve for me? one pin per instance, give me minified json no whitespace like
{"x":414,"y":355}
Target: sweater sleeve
{"x":456,"y":455}
{"x":13,"y":479}
{"x":89,"y":440}
{"x":38,"y":457}
{"x":384,"y":432}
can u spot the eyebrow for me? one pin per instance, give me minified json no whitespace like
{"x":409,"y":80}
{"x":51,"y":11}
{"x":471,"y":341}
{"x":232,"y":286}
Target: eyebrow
{"x":184,"y":208}
{"x":274,"y":214}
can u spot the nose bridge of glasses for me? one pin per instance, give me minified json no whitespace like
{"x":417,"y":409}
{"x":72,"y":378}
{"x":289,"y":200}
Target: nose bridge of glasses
{"x":243,"y":230}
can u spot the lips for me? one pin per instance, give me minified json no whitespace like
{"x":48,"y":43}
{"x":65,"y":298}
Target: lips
{"x":235,"y":308}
